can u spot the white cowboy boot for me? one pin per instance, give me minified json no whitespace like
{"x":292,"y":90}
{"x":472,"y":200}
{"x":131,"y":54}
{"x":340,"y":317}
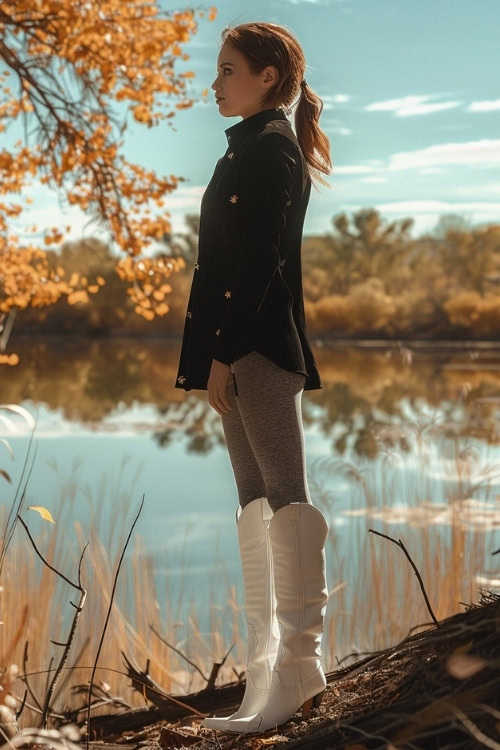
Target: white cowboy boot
{"x":260,"y":604}
{"x":298,"y":533}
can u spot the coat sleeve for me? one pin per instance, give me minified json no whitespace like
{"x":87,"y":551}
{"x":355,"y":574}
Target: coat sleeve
{"x":265,"y":180}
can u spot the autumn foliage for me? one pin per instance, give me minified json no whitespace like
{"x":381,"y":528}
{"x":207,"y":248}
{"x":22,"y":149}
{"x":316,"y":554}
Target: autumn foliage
{"x":113,"y":51}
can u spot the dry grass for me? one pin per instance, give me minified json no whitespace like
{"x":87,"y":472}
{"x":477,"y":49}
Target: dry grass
{"x":378,"y":610}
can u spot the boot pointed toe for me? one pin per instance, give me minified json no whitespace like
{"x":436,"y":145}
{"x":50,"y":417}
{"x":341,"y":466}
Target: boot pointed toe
{"x":216,"y":722}
{"x":245,"y":724}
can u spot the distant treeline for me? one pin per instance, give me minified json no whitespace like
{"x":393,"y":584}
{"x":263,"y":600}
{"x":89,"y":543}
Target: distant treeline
{"x":367,"y":278}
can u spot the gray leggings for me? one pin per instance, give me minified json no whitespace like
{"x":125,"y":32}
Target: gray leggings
{"x":264,"y":432}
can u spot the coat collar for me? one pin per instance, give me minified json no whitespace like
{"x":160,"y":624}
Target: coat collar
{"x":236,"y":134}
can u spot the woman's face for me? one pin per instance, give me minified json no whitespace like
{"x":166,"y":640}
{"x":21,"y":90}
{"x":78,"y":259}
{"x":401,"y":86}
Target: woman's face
{"x":240,"y":89}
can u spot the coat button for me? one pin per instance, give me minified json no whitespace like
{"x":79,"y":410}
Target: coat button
{"x":233,"y":198}
{"x":227,"y":294}
{"x":181,"y":379}
{"x":217,"y":331}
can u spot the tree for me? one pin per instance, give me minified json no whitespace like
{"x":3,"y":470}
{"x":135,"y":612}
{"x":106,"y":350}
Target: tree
{"x":471,"y":258}
{"x":447,"y":222}
{"x":112,"y":51}
{"x":369,"y":248}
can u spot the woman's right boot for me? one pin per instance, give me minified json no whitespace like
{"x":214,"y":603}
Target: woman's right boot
{"x":260,"y":604}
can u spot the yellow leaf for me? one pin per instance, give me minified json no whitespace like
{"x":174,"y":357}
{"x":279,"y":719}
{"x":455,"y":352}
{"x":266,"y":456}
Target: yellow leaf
{"x":45,"y":514}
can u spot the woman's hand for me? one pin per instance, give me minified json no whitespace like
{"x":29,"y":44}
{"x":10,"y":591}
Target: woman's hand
{"x":216,"y":386}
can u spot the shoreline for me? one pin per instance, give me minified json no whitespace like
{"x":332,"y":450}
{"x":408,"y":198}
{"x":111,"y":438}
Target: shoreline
{"x":319,"y":341}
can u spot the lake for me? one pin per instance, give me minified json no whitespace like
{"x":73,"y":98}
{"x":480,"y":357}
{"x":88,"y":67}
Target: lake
{"x":401,"y":439}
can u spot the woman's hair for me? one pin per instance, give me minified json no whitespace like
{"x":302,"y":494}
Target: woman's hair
{"x":264,"y":44}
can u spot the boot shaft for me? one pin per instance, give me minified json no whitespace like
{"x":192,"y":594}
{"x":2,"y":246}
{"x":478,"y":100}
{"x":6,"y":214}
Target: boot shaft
{"x":260,"y":600}
{"x":298,"y":533}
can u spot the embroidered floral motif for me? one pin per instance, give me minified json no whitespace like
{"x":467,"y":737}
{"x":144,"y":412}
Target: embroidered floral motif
{"x":233,"y":198}
{"x":230,"y":156}
{"x":181,"y":379}
{"x":217,"y":331}
{"x":196,"y":265}
{"x":227,"y":294}
{"x":189,"y":314}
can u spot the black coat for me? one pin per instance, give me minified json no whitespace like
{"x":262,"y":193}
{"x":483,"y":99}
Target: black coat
{"x":246,"y":293}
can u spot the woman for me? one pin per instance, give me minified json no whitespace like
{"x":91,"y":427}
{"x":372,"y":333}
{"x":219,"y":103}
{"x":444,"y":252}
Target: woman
{"x":245,"y":342}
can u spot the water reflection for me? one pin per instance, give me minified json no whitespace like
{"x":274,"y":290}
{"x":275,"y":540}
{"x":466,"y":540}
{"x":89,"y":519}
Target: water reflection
{"x":367,"y":395}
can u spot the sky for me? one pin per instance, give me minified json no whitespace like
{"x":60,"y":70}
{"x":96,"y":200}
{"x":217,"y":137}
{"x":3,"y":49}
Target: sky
{"x":411,"y":94}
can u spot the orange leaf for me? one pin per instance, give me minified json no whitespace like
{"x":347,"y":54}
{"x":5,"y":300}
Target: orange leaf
{"x":79,"y":296}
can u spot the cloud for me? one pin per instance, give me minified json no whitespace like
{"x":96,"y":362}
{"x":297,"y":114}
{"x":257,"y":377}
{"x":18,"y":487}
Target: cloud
{"x":432,"y":170}
{"x":426,"y":109}
{"x":492,"y":187}
{"x":341,"y":98}
{"x":335,"y":129}
{"x":425,"y":213}
{"x":330,"y":99}
{"x":408,"y":106}
{"x":425,"y":206}
{"x":484,"y":153}
{"x":353,"y":168}
{"x":487,"y":105}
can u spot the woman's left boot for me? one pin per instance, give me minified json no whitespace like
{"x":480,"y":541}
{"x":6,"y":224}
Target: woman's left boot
{"x":298,"y":533}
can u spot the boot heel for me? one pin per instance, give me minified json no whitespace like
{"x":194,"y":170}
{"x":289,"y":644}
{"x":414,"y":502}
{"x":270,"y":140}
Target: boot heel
{"x":312,"y":702}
